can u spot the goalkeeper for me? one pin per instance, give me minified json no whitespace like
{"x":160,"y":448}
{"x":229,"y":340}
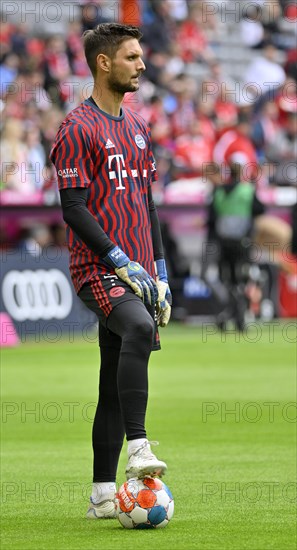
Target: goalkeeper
{"x":105,"y":167}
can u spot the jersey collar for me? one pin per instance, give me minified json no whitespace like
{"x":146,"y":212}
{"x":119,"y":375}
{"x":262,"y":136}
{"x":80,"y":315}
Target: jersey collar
{"x":90,"y":101}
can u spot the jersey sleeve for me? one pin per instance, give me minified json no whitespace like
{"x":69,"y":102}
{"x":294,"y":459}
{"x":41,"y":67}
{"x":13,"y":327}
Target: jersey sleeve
{"x":153,"y":175}
{"x":71,"y":155}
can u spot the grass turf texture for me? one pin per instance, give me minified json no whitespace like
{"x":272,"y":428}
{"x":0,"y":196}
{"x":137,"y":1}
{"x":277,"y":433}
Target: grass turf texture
{"x":232,"y":475}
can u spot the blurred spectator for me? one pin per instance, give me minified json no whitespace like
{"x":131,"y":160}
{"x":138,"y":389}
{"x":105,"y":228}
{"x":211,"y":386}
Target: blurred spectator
{"x":184,"y":90}
{"x":219,"y":91}
{"x":8,"y":71}
{"x":57,"y":69}
{"x":173,"y":67}
{"x":265,"y":128}
{"x":286,"y":100}
{"x":234,"y":206}
{"x":178,"y":9}
{"x":75,"y":52}
{"x":294,"y":230}
{"x":206,"y":114}
{"x":226,"y":113}
{"x":270,"y":15}
{"x":35,"y":239}
{"x":217,"y":82}
{"x":14,"y":158}
{"x":158,"y":120}
{"x":177,"y":264}
{"x":156,"y":68}
{"x":284,"y":146}
{"x":35,"y":157}
{"x":193,"y":150}
{"x":159,"y":34}
{"x":265,"y":72}
{"x":232,"y":211}
{"x":191,"y":39}
{"x":35,"y":50}
{"x":291,"y":63}
{"x":273,"y":237}
{"x":236,"y":146}
{"x":50,"y":122}
{"x":252,"y":30}
{"x":91,"y":14}
{"x":19,"y":40}
{"x":12,"y":100}
{"x":6,"y":33}
{"x":283,"y":152}
{"x":59,"y":235}
{"x":34,"y":92}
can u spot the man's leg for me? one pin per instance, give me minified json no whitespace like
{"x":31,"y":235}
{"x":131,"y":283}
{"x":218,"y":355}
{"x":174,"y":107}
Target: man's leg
{"x":132,"y":322}
{"x":125,"y":349}
{"x":108,"y":428}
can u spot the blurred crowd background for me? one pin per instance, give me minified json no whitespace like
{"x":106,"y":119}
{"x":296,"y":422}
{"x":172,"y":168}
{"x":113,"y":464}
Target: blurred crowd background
{"x":220,"y":89}
{"x":220,"y":81}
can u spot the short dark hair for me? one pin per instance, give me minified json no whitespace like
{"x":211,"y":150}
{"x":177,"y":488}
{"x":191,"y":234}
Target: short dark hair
{"x":106,"y":38}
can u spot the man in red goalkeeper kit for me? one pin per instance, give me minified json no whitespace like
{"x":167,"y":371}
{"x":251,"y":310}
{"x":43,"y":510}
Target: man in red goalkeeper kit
{"x":105,"y":166}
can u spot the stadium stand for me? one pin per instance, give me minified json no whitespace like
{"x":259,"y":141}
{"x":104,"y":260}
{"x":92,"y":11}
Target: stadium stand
{"x":203,"y":63}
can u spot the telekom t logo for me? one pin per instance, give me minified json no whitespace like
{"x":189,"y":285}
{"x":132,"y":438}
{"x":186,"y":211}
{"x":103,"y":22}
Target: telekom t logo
{"x":120,"y":172}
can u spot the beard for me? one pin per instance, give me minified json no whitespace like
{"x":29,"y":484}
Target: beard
{"x":118,"y":86}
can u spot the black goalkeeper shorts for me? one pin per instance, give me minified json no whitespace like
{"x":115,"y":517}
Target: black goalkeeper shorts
{"x":105,"y":292}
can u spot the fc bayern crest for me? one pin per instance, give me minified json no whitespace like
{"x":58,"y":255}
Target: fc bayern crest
{"x":140,"y":142}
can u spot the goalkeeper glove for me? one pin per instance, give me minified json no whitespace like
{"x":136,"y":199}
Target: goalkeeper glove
{"x":133,"y":274}
{"x":164,"y":301}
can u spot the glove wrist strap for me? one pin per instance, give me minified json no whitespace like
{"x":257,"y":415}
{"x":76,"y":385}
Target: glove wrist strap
{"x":116,"y":257}
{"x":161,"y":270}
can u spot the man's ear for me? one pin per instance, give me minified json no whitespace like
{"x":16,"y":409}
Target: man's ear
{"x":103,"y":62}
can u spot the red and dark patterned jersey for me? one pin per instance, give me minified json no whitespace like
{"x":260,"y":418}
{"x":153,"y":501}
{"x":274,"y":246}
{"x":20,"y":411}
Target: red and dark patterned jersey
{"x":112,"y":157}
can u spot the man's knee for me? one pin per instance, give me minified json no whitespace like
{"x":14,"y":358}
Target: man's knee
{"x":141,"y":329}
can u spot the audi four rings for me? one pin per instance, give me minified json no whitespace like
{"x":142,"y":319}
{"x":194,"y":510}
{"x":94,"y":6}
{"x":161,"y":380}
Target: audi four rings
{"x":31,"y":295}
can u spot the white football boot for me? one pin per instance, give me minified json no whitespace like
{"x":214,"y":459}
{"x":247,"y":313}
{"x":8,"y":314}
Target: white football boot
{"x":102,"y":501}
{"x":142,"y":462}
{"x":103,"y":510}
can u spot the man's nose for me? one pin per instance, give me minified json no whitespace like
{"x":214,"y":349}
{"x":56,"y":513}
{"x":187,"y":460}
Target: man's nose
{"x":141,"y":66}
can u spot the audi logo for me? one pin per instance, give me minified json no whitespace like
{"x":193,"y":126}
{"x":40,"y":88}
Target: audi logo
{"x":31,"y":295}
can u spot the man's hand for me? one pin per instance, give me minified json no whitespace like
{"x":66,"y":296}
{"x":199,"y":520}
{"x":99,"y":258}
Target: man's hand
{"x":133,"y":274}
{"x":164,"y":301}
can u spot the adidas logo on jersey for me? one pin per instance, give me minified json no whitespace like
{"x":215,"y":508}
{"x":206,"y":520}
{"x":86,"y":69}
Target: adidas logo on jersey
{"x":109,"y":144}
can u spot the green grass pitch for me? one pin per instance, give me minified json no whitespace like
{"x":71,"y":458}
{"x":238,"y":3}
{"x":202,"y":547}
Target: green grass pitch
{"x":222,"y":410}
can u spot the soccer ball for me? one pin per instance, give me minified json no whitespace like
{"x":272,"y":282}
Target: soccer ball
{"x":144,"y":504}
